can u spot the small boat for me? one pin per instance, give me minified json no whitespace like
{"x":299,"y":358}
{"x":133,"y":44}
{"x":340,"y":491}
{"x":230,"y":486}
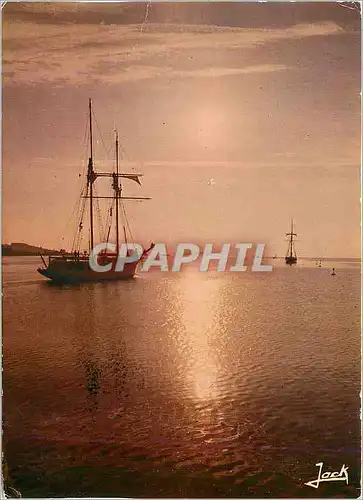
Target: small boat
{"x":291,"y":257}
{"x":74,"y":267}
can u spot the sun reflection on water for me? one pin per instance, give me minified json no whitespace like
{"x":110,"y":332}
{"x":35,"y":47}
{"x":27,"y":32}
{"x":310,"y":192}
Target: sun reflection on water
{"x":200,"y":300}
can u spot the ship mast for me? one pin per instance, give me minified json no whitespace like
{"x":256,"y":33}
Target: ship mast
{"x":90,"y":175}
{"x":117,"y":189}
{"x":116,"y":184}
{"x":291,"y":242}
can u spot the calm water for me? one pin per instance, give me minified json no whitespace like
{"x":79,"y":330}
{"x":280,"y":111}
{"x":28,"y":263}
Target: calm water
{"x":187,"y":385}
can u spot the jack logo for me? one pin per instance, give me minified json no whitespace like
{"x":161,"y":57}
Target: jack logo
{"x":342,"y":475}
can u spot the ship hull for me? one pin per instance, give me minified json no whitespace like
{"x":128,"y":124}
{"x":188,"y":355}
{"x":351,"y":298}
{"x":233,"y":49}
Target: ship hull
{"x":290,"y":260}
{"x":79,"y":272}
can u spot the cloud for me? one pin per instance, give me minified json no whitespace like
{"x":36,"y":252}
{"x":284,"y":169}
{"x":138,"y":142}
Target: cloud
{"x":239,"y":14}
{"x":217,"y":72}
{"x":79,"y":54}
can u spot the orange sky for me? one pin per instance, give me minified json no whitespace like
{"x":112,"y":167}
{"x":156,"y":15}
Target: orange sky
{"x":240,"y":116}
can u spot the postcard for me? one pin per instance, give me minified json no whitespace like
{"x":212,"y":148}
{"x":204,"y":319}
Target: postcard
{"x":181,"y":249}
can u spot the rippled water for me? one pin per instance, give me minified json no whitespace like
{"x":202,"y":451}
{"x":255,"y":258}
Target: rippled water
{"x":185,"y":385}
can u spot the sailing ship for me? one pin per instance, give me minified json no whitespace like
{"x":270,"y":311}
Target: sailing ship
{"x":74,"y":267}
{"x":291,"y":257}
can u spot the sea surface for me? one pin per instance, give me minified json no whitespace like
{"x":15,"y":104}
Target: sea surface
{"x":182,"y":385}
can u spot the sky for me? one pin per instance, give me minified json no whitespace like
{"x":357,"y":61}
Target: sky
{"x":239,"y":115}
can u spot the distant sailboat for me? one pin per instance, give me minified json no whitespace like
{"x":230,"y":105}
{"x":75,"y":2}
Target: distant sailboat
{"x":291,"y":257}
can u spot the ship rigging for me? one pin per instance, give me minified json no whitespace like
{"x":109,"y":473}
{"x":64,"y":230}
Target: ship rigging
{"x":291,"y":257}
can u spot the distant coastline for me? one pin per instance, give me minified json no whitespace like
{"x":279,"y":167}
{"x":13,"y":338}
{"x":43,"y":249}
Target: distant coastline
{"x":23,"y":249}
{"x":324,"y":259}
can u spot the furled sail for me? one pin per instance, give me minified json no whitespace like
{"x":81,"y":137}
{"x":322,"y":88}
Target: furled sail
{"x":132,"y":177}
